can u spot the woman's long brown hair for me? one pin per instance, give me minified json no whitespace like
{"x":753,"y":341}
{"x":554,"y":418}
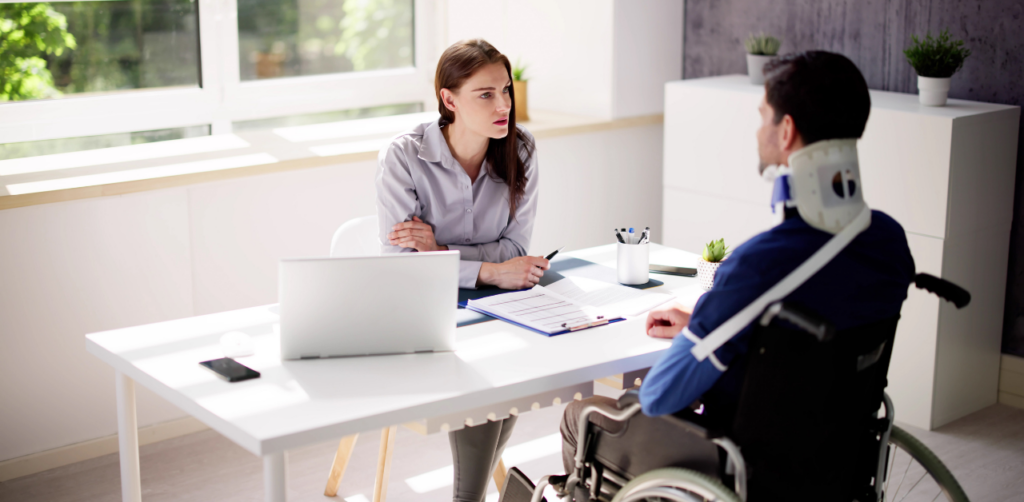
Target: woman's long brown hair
{"x":507,"y":157}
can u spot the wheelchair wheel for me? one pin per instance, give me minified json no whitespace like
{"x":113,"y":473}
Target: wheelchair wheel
{"x":915,"y":473}
{"x":675,"y":485}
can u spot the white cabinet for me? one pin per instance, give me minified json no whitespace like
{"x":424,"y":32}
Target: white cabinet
{"x":946,"y":174}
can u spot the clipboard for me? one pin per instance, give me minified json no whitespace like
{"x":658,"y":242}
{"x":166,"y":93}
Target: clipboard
{"x":609,"y":321}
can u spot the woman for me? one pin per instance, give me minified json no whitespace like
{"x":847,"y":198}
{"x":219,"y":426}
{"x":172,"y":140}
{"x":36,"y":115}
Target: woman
{"x":467,"y":182}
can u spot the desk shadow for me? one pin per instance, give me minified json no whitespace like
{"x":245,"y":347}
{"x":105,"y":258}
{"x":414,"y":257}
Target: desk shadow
{"x":576,"y":267}
{"x":561,"y":268}
{"x":409,"y":377}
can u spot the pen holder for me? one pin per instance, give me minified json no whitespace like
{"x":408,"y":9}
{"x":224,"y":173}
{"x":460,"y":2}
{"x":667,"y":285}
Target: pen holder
{"x":634,"y":263}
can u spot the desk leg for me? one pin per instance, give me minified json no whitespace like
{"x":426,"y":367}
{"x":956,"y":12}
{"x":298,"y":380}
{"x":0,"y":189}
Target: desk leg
{"x":128,"y":439}
{"x":275,"y":472}
{"x":500,"y":473}
{"x":387,"y":445}
{"x":341,"y":458}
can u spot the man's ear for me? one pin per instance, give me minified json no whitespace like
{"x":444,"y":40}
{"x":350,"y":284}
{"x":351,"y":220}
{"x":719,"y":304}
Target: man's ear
{"x":789,"y":137}
{"x":448,"y":99}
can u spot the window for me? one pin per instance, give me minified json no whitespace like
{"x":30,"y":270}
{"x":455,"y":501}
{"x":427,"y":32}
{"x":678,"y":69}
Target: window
{"x":115,"y":67}
{"x":281,"y":38}
{"x":68,"y":145}
{"x":53,"y":49}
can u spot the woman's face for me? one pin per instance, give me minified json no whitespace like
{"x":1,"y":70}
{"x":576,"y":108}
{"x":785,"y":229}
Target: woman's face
{"x":483,"y":103}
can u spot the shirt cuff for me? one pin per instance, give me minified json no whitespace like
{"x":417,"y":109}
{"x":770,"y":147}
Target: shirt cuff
{"x":469,"y":271}
{"x":466,"y":252}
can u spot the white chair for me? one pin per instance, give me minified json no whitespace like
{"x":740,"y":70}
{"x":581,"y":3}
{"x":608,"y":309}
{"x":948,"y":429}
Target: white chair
{"x":358,"y":237}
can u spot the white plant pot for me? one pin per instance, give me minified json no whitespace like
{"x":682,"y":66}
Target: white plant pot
{"x":755,"y":68}
{"x":706,"y":273}
{"x":933,"y":91}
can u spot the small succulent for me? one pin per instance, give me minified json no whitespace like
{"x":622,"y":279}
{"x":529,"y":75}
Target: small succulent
{"x":518,"y":70}
{"x":762,"y":45}
{"x":715,"y":251}
{"x":936,"y":57}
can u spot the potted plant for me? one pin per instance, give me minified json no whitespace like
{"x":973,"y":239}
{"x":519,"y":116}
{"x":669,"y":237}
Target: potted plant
{"x":935,"y":60}
{"x":519,"y":89}
{"x":760,"y":49}
{"x":711,"y":259}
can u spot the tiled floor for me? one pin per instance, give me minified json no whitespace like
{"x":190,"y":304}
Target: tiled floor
{"x":985,"y":451}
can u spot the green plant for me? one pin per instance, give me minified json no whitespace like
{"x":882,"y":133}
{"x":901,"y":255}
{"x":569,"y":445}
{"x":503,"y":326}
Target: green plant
{"x":518,"y":70}
{"x":762,"y":45}
{"x":936,"y":57}
{"x":29,"y":32}
{"x":715,"y":251}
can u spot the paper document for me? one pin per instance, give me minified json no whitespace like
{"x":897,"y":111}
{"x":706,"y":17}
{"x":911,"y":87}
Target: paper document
{"x":540,"y":309}
{"x":614,"y":300}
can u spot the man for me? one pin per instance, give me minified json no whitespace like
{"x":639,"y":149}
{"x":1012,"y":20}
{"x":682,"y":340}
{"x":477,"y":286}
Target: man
{"x":809,"y":97}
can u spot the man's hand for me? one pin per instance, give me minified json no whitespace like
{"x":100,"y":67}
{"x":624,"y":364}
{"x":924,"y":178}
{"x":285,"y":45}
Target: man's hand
{"x":667,"y":321}
{"x":518,"y":273}
{"x":414,"y":234}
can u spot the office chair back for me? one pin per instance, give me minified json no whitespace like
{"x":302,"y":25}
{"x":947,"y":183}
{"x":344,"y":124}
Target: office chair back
{"x":356,"y":237}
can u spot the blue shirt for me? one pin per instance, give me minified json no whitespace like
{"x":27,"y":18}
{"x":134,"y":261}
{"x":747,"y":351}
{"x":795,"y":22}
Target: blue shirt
{"x":866,"y":282}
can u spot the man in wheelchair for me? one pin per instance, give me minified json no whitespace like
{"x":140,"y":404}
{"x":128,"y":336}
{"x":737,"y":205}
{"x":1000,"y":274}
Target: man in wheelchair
{"x":831,"y":267}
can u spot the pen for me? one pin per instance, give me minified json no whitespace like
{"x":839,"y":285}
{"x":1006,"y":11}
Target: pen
{"x":618,"y":235}
{"x":646,"y":235}
{"x":631,"y":236}
{"x":553,"y":253}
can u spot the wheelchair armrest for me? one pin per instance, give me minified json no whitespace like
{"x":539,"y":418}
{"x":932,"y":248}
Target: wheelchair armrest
{"x":629,"y":398}
{"x":685,"y":419}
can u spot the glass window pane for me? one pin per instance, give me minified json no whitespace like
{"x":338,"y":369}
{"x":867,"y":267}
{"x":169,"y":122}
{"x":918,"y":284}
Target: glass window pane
{"x":50,"y":49}
{"x":324,"y":117}
{"x":282,"y":38}
{"x":66,"y":145}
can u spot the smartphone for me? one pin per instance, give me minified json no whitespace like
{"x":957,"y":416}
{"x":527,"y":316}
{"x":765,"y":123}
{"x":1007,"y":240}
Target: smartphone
{"x":670,"y":270}
{"x":230,"y":370}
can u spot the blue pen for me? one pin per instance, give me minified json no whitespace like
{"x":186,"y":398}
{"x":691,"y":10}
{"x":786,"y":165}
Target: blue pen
{"x":631,"y":236}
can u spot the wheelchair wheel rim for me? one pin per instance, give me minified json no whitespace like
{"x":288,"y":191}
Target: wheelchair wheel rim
{"x":914,"y":473}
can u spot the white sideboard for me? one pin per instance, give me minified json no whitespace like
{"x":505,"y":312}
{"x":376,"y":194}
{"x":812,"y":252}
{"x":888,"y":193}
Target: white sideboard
{"x":946,"y":174}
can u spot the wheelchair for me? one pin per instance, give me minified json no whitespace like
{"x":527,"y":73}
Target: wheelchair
{"x":812,"y":423}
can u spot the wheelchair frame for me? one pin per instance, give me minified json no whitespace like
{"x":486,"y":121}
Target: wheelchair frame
{"x":735,"y":464}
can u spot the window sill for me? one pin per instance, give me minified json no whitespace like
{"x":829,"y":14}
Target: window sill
{"x":258,"y":152}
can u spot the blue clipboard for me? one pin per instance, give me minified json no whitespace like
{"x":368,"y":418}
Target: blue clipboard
{"x":467,"y":307}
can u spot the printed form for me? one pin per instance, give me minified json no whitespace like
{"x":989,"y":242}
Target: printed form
{"x":540,"y":309}
{"x":569,"y":304}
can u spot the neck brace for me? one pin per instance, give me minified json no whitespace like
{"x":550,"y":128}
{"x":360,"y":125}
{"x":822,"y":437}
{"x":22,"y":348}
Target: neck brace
{"x":823,"y":182}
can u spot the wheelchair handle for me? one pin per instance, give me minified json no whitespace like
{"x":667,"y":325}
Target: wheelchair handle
{"x":943,"y":289}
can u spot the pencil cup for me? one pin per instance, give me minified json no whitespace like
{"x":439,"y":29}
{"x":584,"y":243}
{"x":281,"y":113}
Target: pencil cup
{"x":634,"y":263}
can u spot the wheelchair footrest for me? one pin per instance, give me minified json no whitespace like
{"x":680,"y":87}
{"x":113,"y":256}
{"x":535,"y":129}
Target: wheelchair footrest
{"x":518,"y":487}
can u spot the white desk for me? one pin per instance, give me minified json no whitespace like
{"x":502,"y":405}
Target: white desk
{"x":297,"y":403}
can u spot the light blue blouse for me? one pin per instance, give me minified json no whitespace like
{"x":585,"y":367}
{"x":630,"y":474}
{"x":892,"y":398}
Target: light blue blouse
{"x":418,"y":176}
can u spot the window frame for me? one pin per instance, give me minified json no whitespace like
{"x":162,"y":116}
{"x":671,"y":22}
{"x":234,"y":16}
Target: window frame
{"x":222,"y":97}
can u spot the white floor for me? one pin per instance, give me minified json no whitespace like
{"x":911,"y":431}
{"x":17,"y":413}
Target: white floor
{"x":985,"y":451}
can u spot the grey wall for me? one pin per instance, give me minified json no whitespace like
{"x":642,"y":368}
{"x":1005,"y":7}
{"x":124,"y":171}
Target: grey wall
{"x":873,"y":33}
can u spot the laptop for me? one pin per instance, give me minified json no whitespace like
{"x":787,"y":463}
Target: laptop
{"x":392,"y":304}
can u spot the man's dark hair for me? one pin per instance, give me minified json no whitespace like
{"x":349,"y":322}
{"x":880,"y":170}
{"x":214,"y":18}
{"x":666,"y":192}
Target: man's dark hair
{"x":824,"y":92}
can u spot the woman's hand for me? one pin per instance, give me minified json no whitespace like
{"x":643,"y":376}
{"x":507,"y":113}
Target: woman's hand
{"x":667,"y":321}
{"x":518,"y":273}
{"x":414,"y":234}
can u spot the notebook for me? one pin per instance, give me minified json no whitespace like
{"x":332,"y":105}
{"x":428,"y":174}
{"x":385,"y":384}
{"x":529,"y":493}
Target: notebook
{"x":571,"y":304}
